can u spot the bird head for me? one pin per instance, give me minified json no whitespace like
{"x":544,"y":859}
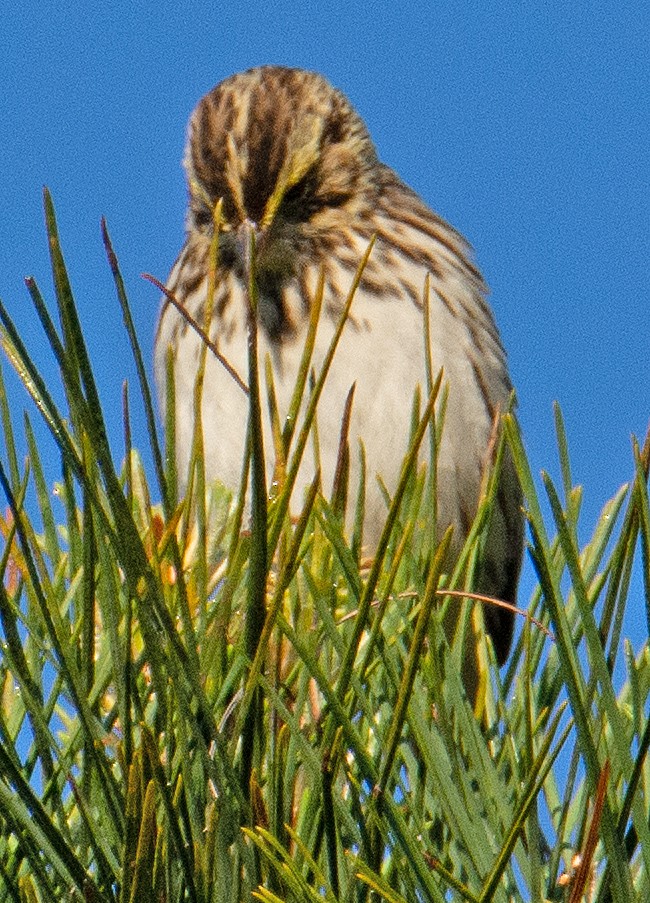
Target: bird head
{"x":287,"y":155}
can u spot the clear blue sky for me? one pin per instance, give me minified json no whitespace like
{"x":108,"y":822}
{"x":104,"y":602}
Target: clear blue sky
{"x":525,"y":125}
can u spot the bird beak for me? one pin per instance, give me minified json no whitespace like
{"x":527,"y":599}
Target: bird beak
{"x":246,"y":240}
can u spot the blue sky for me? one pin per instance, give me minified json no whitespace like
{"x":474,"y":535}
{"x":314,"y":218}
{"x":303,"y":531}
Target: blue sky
{"x":526,"y":125}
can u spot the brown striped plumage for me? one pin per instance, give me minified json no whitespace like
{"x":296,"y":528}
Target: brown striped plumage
{"x":293,"y":161}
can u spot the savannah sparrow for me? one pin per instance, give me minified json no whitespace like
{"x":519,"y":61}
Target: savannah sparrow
{"x":293,"y":162}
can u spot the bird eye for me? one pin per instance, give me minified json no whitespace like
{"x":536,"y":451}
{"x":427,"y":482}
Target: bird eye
{"x":203,"y":217}
{"x":295,"y":193}
{"x":333,"y":200}
{"x":302,"y":200}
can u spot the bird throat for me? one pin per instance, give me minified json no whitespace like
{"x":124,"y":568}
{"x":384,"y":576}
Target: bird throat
{"x":271,"y":313}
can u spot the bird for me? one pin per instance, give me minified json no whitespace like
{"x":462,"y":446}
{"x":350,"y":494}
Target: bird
{"x":290,"y":162}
